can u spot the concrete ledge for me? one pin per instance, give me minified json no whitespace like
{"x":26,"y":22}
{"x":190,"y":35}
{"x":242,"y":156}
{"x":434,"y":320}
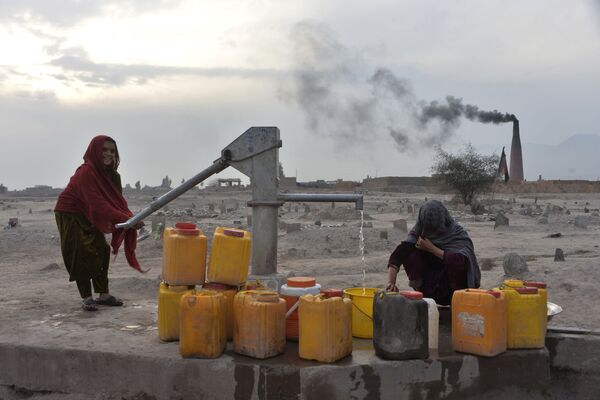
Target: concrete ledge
{"x":102,"y":374}
{"x":574,"y":362}
{"x":576,"y":352}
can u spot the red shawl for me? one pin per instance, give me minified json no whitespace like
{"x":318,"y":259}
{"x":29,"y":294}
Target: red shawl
{"x":93,"y":193}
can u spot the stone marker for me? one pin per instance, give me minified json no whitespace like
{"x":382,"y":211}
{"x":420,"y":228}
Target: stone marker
{"x":580,"y":222}
{"x":249,"y":220}
{"x":401,"y":224}
{"x":486,"y":264}
{"x":306,"y":208}
{"x":293,"y":227}
{"x":223,"y":207}
{"x":514,"y":265}
{"x":383,"y":235}
{"x":501,"y":220}
{"x":525,"y":211}
{"x":211,"y":207}
{"x":559,"y":255}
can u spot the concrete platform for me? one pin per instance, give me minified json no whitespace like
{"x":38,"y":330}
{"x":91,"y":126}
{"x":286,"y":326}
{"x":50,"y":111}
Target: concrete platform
{"x":51,"y":349}
{"x":141,"y":367}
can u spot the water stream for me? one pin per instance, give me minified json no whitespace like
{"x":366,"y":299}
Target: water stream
{"x":361,"y":246}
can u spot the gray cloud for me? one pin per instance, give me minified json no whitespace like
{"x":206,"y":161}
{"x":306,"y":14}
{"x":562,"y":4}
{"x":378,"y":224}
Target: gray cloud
{"x":72,"y":12}
{"x":340,"y":100}
{"x":76,"y":66}
{"x":149,"y":135}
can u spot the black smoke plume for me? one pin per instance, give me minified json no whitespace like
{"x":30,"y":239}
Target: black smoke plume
{"x":338,"y":101}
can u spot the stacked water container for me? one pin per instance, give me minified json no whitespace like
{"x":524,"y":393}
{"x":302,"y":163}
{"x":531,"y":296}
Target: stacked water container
{"x":184,"y":265}
{"x":228,"y":267}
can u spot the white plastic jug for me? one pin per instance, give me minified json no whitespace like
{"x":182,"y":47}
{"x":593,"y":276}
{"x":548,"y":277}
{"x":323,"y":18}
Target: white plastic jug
{"x":434,"y":323}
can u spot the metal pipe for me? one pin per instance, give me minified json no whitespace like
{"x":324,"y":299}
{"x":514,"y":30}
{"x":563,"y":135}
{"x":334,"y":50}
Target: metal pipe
{"x":218,"y":166}
{"x":323,"y":197}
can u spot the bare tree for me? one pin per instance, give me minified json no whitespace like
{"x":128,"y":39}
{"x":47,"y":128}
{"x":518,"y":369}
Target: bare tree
{"x":281,"y":174}
{"x":467,"y":173}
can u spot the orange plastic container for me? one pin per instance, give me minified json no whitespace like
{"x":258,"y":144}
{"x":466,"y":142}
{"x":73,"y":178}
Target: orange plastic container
{"x":296,"y":286}
{"x":229,"y":256}
{"x":526,"y":328}
{"x":169,"y":299}
{"x":202,"y":329}
{"x":325,"y":328}
{"x":184,"y":255}
{"x":479,"y":322}
{"x":229,"y":292}
{"x":258,"y":324}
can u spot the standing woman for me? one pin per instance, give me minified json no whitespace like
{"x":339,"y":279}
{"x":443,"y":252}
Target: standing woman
{"x":89,"y":207}
{"x":438,"y":256}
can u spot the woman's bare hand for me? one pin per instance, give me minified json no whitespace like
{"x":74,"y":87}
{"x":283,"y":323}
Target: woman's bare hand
{"x":426,"y":245}
{"x":139,"y":225}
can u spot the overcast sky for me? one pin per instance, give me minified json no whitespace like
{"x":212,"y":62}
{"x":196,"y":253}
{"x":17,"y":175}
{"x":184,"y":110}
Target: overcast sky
{"x":347,"y":82}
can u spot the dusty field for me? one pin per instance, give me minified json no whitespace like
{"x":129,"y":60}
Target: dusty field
{"x":38,"y":304}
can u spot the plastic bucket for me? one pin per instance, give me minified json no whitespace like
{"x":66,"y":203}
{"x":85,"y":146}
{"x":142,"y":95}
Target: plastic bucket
{"x":362,"y":311}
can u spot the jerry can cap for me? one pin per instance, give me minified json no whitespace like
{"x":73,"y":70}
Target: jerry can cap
{"x":527,"y":290}
{"x":411,"y":294}
{"x":187,"y":228}
{"x":218,"y":286}
{"x":494,"y":293}
{"x":266,"y":297}
{"x":513,"y":283}
{"x":539,"y":285}
{"x":233,"y":232}
{"x":301,"y":281}
{"x":329,"y":293}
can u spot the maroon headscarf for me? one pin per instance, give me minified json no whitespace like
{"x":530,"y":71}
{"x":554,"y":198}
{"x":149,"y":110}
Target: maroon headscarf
{"x":93,"y":193}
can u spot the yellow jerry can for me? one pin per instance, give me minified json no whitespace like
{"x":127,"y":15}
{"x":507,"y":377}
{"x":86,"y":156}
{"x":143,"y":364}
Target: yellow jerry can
{"x":229,"y":256}
{"x":202,"y":329}
{"x":259,"y":323}
{"x":169,"y":298}
{"x":184,"y":255}
{"x":229,"y":292}
{"x":325,"y":332}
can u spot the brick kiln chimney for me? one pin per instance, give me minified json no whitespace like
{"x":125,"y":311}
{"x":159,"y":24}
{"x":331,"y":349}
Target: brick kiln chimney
{"x":515,"y":170}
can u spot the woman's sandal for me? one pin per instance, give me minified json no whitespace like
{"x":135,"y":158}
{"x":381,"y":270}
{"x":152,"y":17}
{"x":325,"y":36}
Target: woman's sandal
{"x":89,"y":305}
{"x":111,"y":301}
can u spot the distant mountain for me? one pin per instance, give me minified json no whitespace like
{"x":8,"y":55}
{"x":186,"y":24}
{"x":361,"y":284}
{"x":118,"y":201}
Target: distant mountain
{"x":578,"y":157}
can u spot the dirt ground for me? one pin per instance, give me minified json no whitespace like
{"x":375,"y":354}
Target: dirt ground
{"x":38,"y":304}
